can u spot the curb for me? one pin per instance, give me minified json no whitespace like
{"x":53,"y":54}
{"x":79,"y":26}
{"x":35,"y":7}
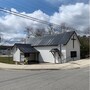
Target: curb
{"x":27,"y":69}
{"x":63,"y":68}
{"x":69,"y":66}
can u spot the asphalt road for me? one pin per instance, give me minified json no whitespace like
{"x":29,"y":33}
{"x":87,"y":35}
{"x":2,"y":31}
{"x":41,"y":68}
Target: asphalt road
{"x":76,"y":79}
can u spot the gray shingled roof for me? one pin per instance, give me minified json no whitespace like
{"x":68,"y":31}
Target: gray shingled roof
{"x":26,"y":48}
{"x":52,"y":40}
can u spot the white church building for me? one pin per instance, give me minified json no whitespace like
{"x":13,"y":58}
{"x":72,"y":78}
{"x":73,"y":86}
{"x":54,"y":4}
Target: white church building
{"x":58,"y":48}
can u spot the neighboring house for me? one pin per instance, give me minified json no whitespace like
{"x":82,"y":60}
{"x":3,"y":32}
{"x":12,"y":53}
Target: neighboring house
{"x":57,"y":48}
{"x":5,"y":50}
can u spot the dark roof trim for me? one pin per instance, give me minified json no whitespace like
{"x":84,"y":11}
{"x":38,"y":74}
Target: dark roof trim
{"x":78,"y":38}
{"x":44,"y":45}
{"x":54,"y":50}
{"x":70,"y":37}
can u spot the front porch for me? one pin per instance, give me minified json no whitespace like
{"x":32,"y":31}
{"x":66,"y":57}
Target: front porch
{"x":31,"y":58}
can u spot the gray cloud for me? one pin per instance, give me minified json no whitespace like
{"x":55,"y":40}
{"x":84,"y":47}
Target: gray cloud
{"x":76,"y":15}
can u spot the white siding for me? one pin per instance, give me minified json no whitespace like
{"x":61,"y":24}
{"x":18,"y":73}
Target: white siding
{"x":46,"y":55}
{"x":69,"y":48}
{"x":16,"y":55}
{"x":63,"y":50}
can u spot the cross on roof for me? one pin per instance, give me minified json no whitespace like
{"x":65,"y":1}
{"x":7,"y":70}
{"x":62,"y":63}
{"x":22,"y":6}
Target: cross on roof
{"x":73,"y":40}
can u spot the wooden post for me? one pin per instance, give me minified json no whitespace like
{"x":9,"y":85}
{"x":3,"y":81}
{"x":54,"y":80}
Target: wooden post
{"x":60,"y":53}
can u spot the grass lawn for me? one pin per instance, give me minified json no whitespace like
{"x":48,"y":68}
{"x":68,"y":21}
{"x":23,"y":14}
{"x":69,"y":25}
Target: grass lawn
{"x":8,"y":60}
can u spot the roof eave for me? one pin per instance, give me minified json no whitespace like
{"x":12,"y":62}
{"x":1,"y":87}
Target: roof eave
{"x":44,"y":45}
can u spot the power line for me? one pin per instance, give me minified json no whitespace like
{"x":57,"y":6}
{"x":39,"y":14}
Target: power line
{"x":22,"y":15}
{"x":27,"y":17}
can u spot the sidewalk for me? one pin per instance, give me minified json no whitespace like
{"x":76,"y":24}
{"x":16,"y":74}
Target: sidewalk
{"x":48,"y":66}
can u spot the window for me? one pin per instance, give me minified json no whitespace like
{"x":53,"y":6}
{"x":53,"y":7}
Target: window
{"x":73,"y":54}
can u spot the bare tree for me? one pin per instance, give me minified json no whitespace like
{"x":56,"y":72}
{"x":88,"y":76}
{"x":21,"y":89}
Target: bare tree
{"x":23,"y":40}
{"x":65,"y":27}
{"x":51,"y":29}
{"x":1,"y":38}
{"x":40,"y":32}
{"x":87,"y":30}
{"x":34,"y":32}
{"x":29,"y":31}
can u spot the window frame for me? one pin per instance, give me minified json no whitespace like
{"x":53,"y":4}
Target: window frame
{"x":73,"y":54}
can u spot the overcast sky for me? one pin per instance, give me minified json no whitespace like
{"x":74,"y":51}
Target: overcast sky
{"x":73,"y":12}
